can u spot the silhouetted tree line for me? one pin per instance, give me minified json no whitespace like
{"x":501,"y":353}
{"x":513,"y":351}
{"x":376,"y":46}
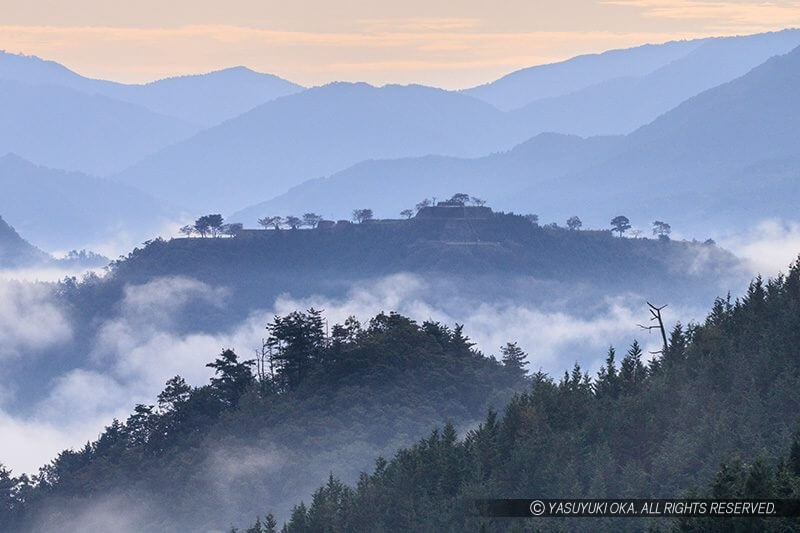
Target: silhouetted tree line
{"x":211,"y":226}
{"x":724,"y":391}
{"x":300,"y":361}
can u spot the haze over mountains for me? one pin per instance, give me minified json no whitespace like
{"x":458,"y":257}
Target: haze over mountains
{"x":265,"y":151}
{"x":61,"y":210}
{"x":57,"y":118}
{"x":522,"y":87}
{"x":201,"y":100}
{"x":284,"y":142}
{"x":228,"y":139}
{"x":16,"y":251}
{"x":620,"y":105}
{"x":732,"y":145}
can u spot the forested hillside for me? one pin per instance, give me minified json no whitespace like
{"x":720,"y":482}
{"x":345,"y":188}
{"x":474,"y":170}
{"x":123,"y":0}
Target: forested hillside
{"x":264,"y":432}
{"x":723,"y":391}
{"x":477,"y":253}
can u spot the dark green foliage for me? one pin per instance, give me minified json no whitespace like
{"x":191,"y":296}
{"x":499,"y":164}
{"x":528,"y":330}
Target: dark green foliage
{"x":723,"y":389}
{"x":208,"y":224}
{"x":298,"y":343}
{"x":232,"y":377}
{"x":620,"y":224}
{"x":514,"y":358}
{"x":333,"y":402}
{"x":759,"y":479}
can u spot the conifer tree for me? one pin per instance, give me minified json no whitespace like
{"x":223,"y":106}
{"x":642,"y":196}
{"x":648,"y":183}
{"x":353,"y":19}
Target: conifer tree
{"x":514,"y":359}
{"x":270,"y":524}
{"x":607,"y":384}
{"x":232,"y":377}
{"x":632,"y":371}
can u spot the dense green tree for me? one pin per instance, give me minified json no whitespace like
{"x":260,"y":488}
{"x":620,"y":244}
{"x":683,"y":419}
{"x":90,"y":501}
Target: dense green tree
{"x":274,"y":222}
{"x":175,"y":393}
{"x":620,"y":224}
{"x":514,"y":358}
{"x":293,"y":222}
{"x":574,"y":223}
{"x":362,"y":215}
{"x":661,"y":229}
{"x":607,"y":383}
{"x":311,"y":220}
{"x":632,"y":372}
{"x":532,"y":218}
{"x":232,"y":377}
{"x":298,"y":343}
{"x":459,"y":198}
{"x":209,"y":225}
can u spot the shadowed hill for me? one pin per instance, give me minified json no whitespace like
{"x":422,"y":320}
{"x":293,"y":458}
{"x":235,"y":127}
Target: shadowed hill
{"x":64,"y":210}
{"x":725,"y":390}
{"x":16,"y":251}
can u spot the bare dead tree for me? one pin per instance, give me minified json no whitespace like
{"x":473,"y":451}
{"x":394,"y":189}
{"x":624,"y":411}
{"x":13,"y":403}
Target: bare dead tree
{"x":655,"y":316}
{"x":265,"y":367}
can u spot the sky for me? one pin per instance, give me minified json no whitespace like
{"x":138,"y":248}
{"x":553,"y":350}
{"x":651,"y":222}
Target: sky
{"x":441,"y":43}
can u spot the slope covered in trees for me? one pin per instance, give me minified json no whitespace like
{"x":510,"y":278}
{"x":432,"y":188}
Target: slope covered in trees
{"x":722,"y":390}
{"x":264,"y":432}
{"x":482,"y":255}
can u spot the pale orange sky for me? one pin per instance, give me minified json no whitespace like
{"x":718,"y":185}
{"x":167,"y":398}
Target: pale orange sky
{"x":447,"y":44}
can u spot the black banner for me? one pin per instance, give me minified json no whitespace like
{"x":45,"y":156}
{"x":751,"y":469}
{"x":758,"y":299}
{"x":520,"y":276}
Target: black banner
{"x":637,"y":508}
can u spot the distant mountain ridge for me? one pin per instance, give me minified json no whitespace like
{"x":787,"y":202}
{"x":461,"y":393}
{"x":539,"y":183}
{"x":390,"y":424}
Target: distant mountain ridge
{"x":275,"y":147}
{"x":267,"y":155}
{"x":68,"y":210}
{"x":201,"y":100}
{"x":388,"y":186}
{"x":16,"y":251}
{"x":317,"y":132}
{"x":734,"y":142}
{"x":63,"y":128}
{"x":592,"y":71}
{"x":621,"y":105}
{"x":58,"y":118}
{"x":521,"y":87}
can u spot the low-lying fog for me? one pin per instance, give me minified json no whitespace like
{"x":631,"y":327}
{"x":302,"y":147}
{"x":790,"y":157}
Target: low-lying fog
{"x":134,"y":351}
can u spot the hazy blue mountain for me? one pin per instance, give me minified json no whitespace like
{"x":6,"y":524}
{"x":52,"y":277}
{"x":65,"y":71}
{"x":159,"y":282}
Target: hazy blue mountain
{"x":732,"y":146}
{"x":36,"y":71}
{"x":207,"y":99}
{"x":726,"y":156}
{"x":317,"y":132}
{"x":387,"y":187}
{"x":202,"y":100}
{"x":526,"y":85}
{"x":67,"y":210}
{"x":621,"y":105}
{"x":644,"y":73}
{"x":16,"y":251}
{"x":64,"y":128}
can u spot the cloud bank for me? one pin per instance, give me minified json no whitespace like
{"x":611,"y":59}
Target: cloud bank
{"x":137,"y":350}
